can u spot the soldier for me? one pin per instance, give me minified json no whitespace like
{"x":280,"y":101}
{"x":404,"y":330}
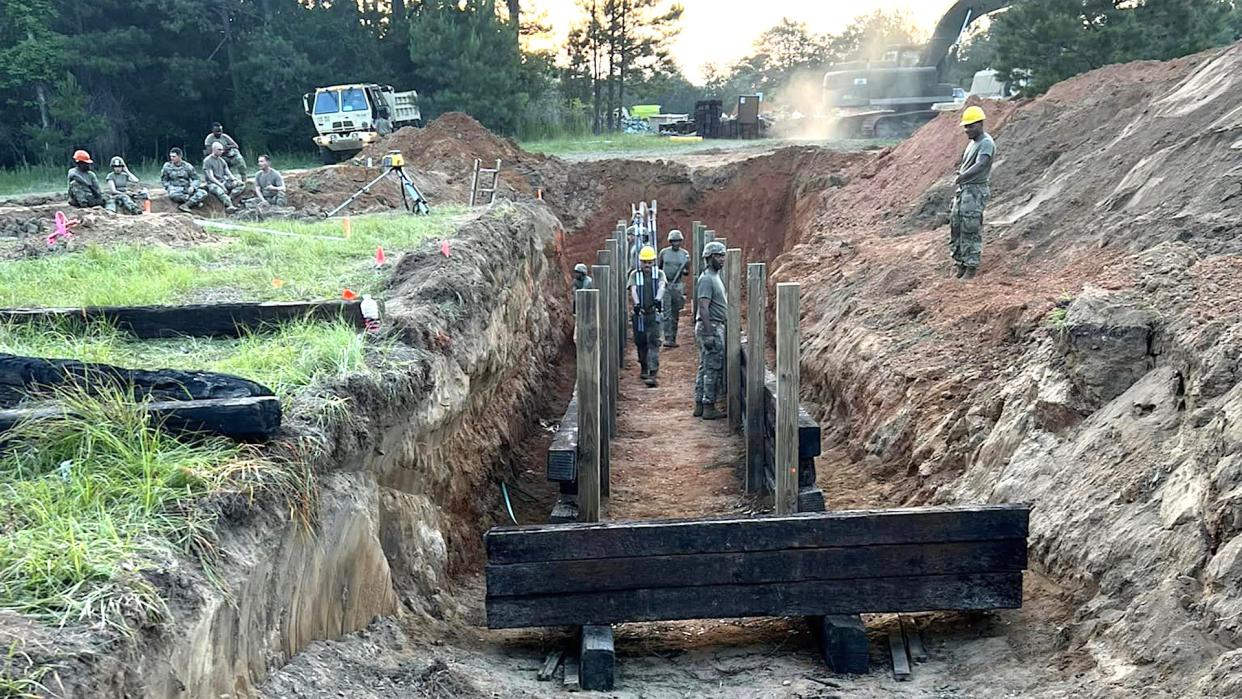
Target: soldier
{"x":973,"y":176}
{"x":269,"y":185}
{"x":709,"y":331}
{"x":220,"y":181}
{"x":181,"y":182}
{"x":582,"y":280}
{"x":84,"y":191}
{"x":647,"y":285}
{"x":675,"y":263}
{"x":232,"y":151}
{"x":119,"y":182}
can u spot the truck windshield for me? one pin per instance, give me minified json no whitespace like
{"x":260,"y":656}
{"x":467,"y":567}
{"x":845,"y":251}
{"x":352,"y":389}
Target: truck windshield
{"x":353,"y":100}
{"x":327,"y":103}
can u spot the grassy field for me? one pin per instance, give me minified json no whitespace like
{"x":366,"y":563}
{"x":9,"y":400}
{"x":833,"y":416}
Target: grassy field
{"x":37,"y":179}
{"x":612,"y":143}
{"x":294,"y":261}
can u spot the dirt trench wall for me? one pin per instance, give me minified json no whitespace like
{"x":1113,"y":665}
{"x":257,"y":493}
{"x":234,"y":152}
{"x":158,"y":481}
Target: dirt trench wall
{"x":407,"y":477}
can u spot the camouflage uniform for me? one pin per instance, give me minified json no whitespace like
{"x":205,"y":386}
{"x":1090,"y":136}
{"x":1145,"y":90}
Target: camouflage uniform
{"x":647,"y":292}
{"x":676,"y":265}
{"x":271,"y":178}
{"x":232,"y":153}
{"x":710,"y":338}
{"x":84,"y":191}
{"x":182,"y":185}
{"x":220,"y":169}
{"x":966,"y":215}
{"x":122,"y":197}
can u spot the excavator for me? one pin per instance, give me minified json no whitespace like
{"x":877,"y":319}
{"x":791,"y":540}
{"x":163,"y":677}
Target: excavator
{"x":893,"y":96}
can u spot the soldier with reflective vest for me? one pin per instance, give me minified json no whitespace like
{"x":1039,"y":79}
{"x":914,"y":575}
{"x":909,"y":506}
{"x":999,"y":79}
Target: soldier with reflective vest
{"x":674,"y":261}
{"x":84,"y":191}
{"x":647,"y":288}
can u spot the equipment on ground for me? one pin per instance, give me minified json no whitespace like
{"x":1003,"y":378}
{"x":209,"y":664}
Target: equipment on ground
{"x":893,"y":96}
{"x":349,"y":117}
{"x":647,"y":254}
{"x":412,"y":199}
{"x":643,"y":226}
{"x":479,"y":190}
{"x":81,"y":156}
{"x":973,"y":115}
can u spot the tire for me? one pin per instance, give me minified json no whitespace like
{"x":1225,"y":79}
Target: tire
{"x":327,"y":156}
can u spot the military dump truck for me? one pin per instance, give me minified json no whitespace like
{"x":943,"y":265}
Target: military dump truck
{"x":349,"y":117}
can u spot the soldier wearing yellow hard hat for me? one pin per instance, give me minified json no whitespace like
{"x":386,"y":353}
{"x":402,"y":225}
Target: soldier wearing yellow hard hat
{"x":647,"y":287}
{"x":971,"y":197}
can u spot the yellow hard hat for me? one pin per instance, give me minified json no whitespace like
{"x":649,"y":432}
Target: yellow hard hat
{"x":973,"y":115}
{"x":647,"y":254}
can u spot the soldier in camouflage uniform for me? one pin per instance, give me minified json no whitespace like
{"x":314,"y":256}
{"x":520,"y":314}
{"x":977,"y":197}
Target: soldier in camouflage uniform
{"x":973,"y":176}
{"x":709,"y":331}
{"x":220,"y":181}
{"x":84,"y":191}
{"x":647,"y":286}
{"x":675,"y":262}
{"x":120,"y":180}
{"x":232,"y":152}
{"x":181,"y":182}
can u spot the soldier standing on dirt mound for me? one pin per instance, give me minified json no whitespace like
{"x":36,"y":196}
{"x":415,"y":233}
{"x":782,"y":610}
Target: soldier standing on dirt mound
{"x":709,"y":331}
{"x":647,"y":285}
{"x":181,"y":182}
{"x":84,"y":191}
{"x":675,"y":263}
{"x":973,"y":176}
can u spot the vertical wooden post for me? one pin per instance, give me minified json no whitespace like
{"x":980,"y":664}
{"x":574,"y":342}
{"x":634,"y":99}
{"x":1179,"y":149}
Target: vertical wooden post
{"x":756,"y":306}
{"x":709,"y":235}
{"x":733,"y":337}
{"x":622,"y":273}
{"x":696,"y":252}
{"x":788,"y":300}
{"x":588,"y":405}
{"x":603,"y":276}
{"x":609,"y":349}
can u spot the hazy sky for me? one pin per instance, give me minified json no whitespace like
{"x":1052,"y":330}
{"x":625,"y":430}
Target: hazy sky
{"x":721,"y":31}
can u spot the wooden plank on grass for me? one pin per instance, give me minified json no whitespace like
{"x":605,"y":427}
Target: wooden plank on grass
{"x":535,"y":543}
{"x":194,"y":320}
{"x":807,"y":598}
{"x":706,"y":569}
{"x":247,"y":419}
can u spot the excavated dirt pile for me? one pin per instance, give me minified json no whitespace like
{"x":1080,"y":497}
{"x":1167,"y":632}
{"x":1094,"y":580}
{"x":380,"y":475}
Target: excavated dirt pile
{"x":1092,"y":368}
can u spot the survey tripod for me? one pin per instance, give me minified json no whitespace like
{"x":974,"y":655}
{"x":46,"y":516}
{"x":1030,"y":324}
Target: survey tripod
{"x":412,"y":199}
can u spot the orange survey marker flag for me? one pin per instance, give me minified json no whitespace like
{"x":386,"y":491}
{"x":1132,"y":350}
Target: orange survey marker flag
{"x":444,"y":248}
{"x":347,"y":227}
{"x":380,"y":259}
{"x":349,"y":294}
{"x":277,"y":282}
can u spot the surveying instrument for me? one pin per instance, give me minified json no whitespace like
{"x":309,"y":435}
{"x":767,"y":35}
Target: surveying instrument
{"x":412,"y":199}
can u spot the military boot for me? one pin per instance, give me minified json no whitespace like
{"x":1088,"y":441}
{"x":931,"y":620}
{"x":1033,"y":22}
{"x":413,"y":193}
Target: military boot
{"x":970,"y":273}
{"x":698,"y":409}
{"x":961,"y":270}
{"x":710,"y":412}
{"x":651,"y":380}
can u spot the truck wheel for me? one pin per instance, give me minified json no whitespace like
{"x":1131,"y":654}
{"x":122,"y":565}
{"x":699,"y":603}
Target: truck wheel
{"x":327,"y":156}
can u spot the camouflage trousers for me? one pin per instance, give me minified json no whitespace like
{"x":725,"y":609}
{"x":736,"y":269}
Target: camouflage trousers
{"x":674,"y":301}
{"x":186,"y":195}
{"x":125,"y":202}
{"x":226,"y":193}
{"x":84,"y":197}
{"x":707,"y":383}
{"x":273,"y":198}
{"x":236,"y":163}
{"x":647,"y":340}
{"x":966,"y":224}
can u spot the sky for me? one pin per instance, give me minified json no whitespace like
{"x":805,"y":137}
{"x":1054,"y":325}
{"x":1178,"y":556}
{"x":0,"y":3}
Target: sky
{"x":722,"y":31}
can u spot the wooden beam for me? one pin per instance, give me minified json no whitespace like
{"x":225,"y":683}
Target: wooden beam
{"x":563,"y":452}
{"x":623,"y":327}
{"x":588,"y":405}
{"x":842,"y":640}
{"x":755,"y":567}
{"x":194,"y":320}
{"x":914,"y":642}
{"x":603,"y":275}
{"x":597,"y":659}
{"x":733,"y":337}
{"x":612,"y":349}
{"x":246,"y":419}
{"x":536,"y":543}
{"x":815,"y":597}
{"x":757,"y":299}
{"x":897,"y":649}
{"x":550,"y":663}
{"x":787,"y":378}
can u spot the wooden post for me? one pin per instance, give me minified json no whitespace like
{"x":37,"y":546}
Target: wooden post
{"x":757,"y":300}
{"x":603,"y":277}
{"x":787,"y":376}
{"x":697,"y":233}
{"x":588,"y":405}
{"x":621,"y":271}
{"x":609,"y":349}
{"x":709,"y":235}
{"x":733,"y":337}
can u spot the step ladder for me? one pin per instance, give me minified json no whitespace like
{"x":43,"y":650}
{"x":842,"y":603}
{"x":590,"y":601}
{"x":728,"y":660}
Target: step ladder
{"x":478,"y":192}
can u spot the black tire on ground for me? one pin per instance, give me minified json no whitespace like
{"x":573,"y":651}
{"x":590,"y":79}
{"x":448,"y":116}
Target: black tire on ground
{"x":327,"y":156}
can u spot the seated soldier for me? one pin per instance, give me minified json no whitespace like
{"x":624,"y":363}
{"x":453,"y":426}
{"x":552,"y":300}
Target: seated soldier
{"x":181,"y":182}
{"x":221,"y":183}
{"x":232,"y":151}
{"x":269,"y":185}
{"x":84,"y":191}
{"x":123,"y":187}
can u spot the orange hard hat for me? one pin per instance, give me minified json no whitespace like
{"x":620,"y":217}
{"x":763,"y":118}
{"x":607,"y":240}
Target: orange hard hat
{"x":81,"y":156}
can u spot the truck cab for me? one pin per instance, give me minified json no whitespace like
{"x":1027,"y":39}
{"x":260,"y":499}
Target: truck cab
{"x":349,"y":117}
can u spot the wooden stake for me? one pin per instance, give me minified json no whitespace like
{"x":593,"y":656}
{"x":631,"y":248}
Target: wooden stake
{"x":697,"y":234}
{"x":588,"y":405}
{"x":733,"y":337}
{"x":603,"y":280}
{"x":787,"y":377}
{"x":757,"y":300}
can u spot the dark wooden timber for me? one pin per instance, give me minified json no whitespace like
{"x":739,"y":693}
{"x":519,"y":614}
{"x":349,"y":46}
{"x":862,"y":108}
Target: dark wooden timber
{"x":809,"y":434}
{"x":597,"y":659}
{"x":248,"y":419}
{"x":811,"y":500}
{"x":897,"y":649}
{"x":538,"y":543}
{"x":197,"y":320}
{"x":842,"y":642}
{"x":21,"y":377}
{"x":563,"y":452}
{"x":550,"y":663}
{"x":914,"y":642}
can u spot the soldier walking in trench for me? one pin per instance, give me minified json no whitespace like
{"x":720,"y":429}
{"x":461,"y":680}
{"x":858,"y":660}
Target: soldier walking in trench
{"x":675,"y":263}
{"x":973,"y":176}
{"x":647,"y":287}
{"x":709,"y":332}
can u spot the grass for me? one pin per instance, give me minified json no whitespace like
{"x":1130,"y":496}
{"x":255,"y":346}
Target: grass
{"x":639,"y":144}
{"x":32,"y":179}
{"x":93,"y":501}
{"x":310,"y":260}
{"x":20,"y":676}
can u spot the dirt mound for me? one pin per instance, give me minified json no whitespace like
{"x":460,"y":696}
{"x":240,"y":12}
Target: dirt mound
{"x":24,"y":229}
{"x":323,"y":189}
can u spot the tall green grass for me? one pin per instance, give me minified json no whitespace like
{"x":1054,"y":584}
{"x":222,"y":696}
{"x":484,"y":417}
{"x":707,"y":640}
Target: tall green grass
{"x":93,"y":502}
{"x":311,"y":260}
{"x":617,"y":143}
